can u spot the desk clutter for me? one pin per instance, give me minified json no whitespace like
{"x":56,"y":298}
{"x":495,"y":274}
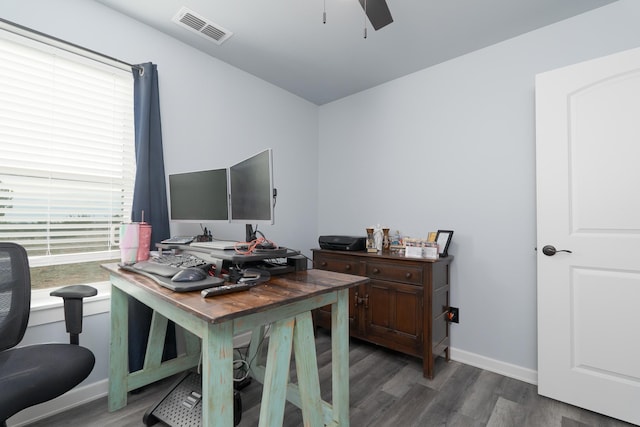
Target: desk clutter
{"x":184,"y":265}
{"x":185,"y":273}
{"x":379,"y":240}
{"x":238,"y":280}
{"x":255,"y":245}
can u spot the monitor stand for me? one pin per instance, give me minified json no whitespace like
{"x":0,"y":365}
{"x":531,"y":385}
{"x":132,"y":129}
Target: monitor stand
{"x":250,"y":233}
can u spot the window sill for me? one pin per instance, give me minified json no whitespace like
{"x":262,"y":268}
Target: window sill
{"x":47,"y":309}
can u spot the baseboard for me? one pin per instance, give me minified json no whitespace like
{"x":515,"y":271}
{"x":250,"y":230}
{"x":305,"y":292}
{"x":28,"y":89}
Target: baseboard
{"x":76,"y":397}
{"x":507,"y":369}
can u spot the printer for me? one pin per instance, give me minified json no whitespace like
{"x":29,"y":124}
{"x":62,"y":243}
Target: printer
{"x":342,"y":243}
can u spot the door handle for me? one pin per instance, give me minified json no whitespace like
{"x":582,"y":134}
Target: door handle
{"x":550,"y":250}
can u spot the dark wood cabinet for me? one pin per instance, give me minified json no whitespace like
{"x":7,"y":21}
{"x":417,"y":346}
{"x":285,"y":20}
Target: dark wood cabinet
{"x":403,"y":307}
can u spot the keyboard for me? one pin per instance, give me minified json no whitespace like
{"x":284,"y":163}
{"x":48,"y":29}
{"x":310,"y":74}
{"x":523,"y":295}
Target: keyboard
{"x":180,"y":260}
{"x":164,"y":270}
{"x":169,"y":265}
{"x":216,"y":244}
{"x":162,"y":274}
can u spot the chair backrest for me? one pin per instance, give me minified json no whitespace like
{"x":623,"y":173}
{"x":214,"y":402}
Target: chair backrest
{"x":15,"y":294}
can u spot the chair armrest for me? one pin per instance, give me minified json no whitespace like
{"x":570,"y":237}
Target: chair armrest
{"x":75,"y":291}
{"x":72,"y":296}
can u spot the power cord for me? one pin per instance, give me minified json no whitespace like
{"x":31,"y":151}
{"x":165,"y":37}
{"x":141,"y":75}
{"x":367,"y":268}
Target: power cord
{"x":247,"y":248}
{"x":241,"y":370}
{"x":244,"y":368}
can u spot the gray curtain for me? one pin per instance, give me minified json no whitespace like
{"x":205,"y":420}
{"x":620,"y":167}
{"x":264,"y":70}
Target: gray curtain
{"x":150,"y":196}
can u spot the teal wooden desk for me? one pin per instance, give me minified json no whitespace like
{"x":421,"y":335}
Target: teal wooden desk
{"x":285,"y":303}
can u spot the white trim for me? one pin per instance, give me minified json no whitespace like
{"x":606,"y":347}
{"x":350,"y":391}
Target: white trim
{"x":47,"y":260}
{"x":503,"y":368}
{"x":76,"y":397}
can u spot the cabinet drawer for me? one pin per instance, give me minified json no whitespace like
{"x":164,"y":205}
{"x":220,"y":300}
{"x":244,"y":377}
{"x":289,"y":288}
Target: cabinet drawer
{"x":339,"y":265}
{"x":394,"y":272}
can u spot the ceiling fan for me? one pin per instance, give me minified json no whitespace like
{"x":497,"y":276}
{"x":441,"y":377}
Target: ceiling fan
{"x":378,"y":13}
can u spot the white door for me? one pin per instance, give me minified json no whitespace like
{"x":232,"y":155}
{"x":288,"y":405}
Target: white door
{"x":588,"y":200}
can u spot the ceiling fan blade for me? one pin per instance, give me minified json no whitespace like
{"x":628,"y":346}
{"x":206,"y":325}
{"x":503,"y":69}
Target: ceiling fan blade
{"x":378,"y":13}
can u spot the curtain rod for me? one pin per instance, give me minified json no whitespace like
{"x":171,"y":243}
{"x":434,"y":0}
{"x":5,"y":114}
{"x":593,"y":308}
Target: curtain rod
{"x":65,"y":45}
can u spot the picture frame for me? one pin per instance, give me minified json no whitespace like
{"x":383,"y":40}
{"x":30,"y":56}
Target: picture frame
{"x":443,"y":239}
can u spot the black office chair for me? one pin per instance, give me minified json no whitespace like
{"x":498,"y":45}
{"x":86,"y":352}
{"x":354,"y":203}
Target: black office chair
{"x":37,"y":373}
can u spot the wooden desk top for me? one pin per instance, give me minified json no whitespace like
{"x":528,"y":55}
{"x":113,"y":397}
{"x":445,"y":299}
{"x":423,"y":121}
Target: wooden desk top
{"x":278,"y":291}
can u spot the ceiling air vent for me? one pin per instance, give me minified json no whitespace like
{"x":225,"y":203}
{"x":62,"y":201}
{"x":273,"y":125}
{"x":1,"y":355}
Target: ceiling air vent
{"x":198,"y":24}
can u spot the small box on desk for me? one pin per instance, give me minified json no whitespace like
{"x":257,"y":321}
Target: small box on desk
{"x":429,"y":252}
{"x":299,"y":262}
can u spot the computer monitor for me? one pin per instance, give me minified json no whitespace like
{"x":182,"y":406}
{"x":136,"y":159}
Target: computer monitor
{"x":251,"y":190}
{"x":200,"y":196}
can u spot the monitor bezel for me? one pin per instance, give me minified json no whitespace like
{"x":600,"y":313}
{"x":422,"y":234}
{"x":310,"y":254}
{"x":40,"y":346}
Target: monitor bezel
{"x":203,"y":192}
{"x":271,"y":220}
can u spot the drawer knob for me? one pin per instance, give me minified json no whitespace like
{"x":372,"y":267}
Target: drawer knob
{"x":407,"y":275}
{"x":323,"y":263}
{"x":347,"y":267}
{"x":376,"y":271}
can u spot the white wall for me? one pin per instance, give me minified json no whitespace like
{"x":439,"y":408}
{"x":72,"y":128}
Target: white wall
{"x":453,"y":147}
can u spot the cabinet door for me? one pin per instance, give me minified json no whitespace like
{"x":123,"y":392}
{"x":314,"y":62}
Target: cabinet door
{"x":394,"y":315}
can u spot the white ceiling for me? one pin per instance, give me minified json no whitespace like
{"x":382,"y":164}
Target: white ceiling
{"x":285,"y":42}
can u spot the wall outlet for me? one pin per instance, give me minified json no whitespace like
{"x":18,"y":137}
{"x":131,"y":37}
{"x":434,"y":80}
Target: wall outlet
{"x":453,"y":315}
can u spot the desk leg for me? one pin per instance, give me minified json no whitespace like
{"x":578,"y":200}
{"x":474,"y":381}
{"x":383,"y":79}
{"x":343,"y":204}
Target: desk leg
{"x":304,"y":346}
{"x":277,"y":373}
{"x":118,"y":350}
{"x":217,"y":374}
{"x":297,"y":333}
{"x":340,"y":359}
{"x":155,"y":343}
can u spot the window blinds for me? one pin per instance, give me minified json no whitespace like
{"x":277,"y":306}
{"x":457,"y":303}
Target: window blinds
{"x":67,"y":162}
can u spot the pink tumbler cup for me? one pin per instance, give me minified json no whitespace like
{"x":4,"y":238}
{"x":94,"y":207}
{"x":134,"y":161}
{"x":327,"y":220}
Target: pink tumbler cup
{"x":144,"y":242}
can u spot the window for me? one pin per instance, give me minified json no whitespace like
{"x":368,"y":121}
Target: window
{"x":67,"y":162}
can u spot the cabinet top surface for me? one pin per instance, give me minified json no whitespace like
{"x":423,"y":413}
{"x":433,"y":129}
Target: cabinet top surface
{"x":376,"y":256}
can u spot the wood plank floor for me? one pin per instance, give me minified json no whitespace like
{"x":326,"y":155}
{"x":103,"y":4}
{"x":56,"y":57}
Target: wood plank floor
{"x":387,"y":390}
